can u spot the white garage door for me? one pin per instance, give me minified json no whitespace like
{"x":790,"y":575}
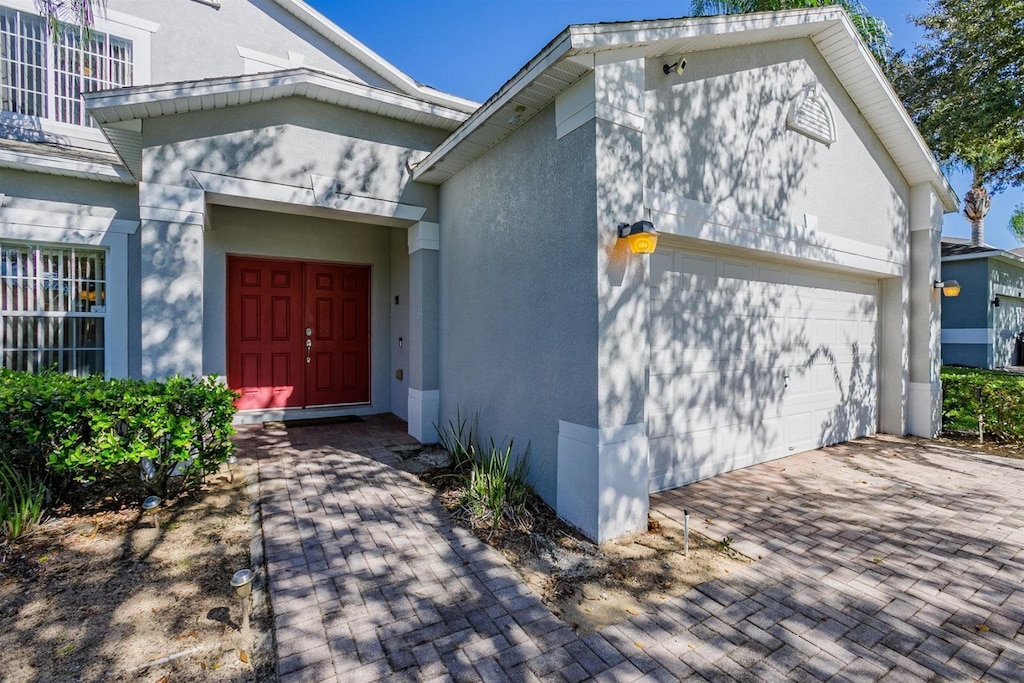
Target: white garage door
{"x":752,"y":361}
{"x":1009,"y":322}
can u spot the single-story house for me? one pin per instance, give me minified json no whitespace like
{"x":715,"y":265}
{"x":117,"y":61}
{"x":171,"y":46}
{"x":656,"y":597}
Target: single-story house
{"x":983,"y":327}
{"x":246,"y":190}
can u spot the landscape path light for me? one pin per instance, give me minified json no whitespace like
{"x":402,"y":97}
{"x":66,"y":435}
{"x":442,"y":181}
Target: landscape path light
{"x":241,"y":582}
{"x":151,"y":507}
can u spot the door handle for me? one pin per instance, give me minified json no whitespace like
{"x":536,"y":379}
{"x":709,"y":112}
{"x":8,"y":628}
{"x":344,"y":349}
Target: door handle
{"x":309,"y":345}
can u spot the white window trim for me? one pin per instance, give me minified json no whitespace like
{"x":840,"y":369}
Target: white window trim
{"x":139,"y":31}
{"x":51,"y":231}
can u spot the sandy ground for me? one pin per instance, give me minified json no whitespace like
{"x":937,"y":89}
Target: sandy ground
{"x":100,"y":595}
{"x":585,"y":585}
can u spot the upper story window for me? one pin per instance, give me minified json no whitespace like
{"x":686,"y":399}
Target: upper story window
{"x":44,"y":76}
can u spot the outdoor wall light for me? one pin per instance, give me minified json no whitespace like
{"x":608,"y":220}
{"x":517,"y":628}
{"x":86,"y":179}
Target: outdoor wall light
{"x":995,"y":302}
{"x":642,"y":236}
{"x":949,"y":287}
{"x":677,"y":68}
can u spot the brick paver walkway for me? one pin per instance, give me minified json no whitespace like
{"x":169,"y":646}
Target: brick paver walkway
{"x":879,"y":560}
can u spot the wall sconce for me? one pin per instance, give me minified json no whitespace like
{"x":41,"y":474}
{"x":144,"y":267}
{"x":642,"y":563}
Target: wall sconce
{"x":995,"y":302}
{"x":677,"y":67}
{"x":642,"y":236}
{"x":949,"y":287}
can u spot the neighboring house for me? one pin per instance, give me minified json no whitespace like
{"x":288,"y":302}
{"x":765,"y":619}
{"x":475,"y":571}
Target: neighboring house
{"x":984,"y":326}
{"x":335,"y":238}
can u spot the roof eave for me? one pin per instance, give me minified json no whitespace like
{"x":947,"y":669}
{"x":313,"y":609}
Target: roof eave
{"x":150,"y":101}
{"x":380,"y":66}
{"x":588,"y":39}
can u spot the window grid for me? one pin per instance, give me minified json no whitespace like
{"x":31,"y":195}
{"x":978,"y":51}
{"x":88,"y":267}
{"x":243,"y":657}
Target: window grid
{"x":52,"y":302}
{"x":45,"y":77}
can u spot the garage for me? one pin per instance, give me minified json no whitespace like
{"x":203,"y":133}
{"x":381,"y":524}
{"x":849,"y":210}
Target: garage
{"x":1008,"y":324}
{"x":753,"y":360}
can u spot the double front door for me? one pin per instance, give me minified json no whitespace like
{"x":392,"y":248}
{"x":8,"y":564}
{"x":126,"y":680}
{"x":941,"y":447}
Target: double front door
{"x":298,"y":333}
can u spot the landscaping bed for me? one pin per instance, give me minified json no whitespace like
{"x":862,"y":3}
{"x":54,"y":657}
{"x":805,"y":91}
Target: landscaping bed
{"x":587,"y":586}
{"x":96,"y":593}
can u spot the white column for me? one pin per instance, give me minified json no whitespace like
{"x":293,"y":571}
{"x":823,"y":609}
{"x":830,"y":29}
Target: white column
{"x":924,"y":404}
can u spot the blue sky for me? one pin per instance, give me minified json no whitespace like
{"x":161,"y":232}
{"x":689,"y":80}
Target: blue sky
{"x":471,"y":47}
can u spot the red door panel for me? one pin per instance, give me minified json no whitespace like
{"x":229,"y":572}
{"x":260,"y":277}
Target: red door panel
{"x":338,"y":313}
{"x":265,"y":352}
{"x":271,"y":304}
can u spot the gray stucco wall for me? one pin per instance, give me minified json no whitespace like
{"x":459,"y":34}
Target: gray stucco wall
{"x":285,"y":141}
{"x":278,"y":235}
{"x":718,"y":135}
{"x":518,"y":291}
{"x":399,"y":340}
{"x":1007,"y":283}
{"x":198,"y":41}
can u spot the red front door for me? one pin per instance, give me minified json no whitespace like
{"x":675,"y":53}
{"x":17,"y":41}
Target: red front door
{"x":298,"y":333}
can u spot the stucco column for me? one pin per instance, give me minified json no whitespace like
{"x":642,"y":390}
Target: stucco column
{"x":424,"y":396}
{"x":603,"y":468}
{"x":924,"y":409}
{"x":171,"y":270}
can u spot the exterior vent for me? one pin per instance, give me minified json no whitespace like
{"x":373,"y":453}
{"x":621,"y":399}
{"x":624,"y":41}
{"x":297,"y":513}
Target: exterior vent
{"x":810,"y":115}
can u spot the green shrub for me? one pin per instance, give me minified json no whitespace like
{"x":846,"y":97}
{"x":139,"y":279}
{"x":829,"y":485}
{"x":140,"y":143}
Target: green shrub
{"x":174,"y":431}
{"x":495,"y":492}
{"x":1001,"y":402}
{"x":22,"y":499}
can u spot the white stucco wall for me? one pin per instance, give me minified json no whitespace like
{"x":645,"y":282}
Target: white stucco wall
{"x":717,"y":135}
{"x":195,"y":40}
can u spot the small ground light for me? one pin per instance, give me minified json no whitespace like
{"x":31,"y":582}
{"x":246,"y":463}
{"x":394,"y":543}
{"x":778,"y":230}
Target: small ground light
{"x":232,"y":462}
{"x":151,"y":507}
{"x":241,"y":582}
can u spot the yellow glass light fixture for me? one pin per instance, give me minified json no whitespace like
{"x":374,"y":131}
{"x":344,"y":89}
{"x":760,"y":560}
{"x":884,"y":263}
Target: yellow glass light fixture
{"x":949,"y":287}
{"x":642,"y":236}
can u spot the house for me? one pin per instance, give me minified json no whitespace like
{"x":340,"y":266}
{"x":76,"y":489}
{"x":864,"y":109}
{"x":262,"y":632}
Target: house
{"x":284,"y":208}
{"x":983,"y":327}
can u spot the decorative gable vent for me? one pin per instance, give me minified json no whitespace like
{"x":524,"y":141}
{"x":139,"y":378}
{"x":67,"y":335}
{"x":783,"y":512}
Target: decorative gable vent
{"x":810,"y":114}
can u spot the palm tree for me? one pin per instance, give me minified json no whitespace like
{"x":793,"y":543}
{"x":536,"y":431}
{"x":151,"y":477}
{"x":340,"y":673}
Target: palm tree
{"x":81,"y":13}
{"x":872,"y":29}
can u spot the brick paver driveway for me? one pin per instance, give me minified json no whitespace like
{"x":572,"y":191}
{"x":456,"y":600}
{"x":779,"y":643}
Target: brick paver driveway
{"x":878,"y":560}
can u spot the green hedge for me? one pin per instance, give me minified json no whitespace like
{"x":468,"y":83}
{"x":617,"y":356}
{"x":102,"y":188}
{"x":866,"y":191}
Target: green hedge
{"x":1002,"y":402}
{"x":167,"y":434}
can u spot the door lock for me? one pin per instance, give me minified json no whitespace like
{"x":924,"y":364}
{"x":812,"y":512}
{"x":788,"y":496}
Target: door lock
{"x":309,"y":331}
{"x":785,"y":381}
{"x":309,"y":345}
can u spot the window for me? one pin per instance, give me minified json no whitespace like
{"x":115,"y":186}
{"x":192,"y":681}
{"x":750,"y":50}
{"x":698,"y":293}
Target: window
{"x":45,"y":76}
{"x":52,"y":308}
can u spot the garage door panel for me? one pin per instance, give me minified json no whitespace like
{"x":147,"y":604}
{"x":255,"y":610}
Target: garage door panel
{"x":738,"y":334}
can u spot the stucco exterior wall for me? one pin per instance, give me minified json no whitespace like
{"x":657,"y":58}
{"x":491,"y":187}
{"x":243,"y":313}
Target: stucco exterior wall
{"x":518,"y":291}
{"x":65,"y":204}
{"x":275,"y":235}
{"x":195,"y":40}
{"x":717,"y":135}
{"x":285,"y":141}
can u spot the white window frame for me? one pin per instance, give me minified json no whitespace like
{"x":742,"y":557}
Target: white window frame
{"x":113,"y":23}
{"x":80,"y":226}
{"x":74,"y":281}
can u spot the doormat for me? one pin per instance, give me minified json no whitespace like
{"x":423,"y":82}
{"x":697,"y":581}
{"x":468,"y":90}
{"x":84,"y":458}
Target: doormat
{"x":312,"y":421}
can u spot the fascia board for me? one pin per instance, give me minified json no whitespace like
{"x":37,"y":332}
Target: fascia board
{"x":122,"y":104}
{"x":371,"y":59}
{"x":39,"y":163}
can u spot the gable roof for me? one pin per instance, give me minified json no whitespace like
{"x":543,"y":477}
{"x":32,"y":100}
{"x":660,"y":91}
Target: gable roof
{"x":114,"y":110}
{"x":573,"y":52}
{"x":371,"y":60}
{"x":960,"y":249}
